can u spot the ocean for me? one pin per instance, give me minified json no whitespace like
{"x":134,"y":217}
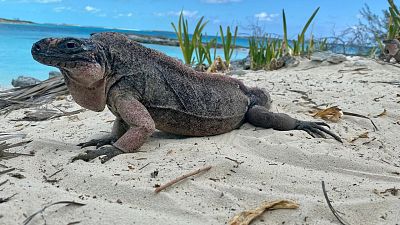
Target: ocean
{"x":16,"y":41}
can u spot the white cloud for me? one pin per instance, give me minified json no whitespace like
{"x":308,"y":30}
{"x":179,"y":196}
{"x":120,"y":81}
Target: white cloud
{"x":263,"y":16}
{"x":220,"y":1}
{"x":129,"y":14}
{"x":91,"y":9}
{"x":186,"y":13}
{"x":62,"y":9}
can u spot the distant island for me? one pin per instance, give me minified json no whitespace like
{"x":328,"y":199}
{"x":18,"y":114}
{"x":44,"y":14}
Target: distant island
{"x":15,"y":21}
{"x":141,"y":38}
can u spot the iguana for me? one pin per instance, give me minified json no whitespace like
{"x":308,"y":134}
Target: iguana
{"x":148,"y":90}
{"x":392,"y":50}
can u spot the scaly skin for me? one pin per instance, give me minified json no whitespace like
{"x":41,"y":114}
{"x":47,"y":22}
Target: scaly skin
{"x":392,"y":50}
{"x":147,"y":90}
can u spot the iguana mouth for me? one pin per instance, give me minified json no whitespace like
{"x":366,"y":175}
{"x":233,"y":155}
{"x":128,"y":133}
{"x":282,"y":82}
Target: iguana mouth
{"x":62,"y":53}
{"x":60,"y":61}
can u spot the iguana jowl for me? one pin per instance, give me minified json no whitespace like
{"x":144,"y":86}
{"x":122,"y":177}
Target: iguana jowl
{"x":146,"y":89}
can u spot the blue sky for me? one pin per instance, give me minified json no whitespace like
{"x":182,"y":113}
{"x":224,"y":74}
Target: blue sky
{"x":157,"y":14}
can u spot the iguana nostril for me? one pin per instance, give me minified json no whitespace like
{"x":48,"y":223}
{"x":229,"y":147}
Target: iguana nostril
{"x":37,"y":47}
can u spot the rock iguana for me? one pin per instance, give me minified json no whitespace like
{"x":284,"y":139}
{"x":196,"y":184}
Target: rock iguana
{"x":148,"y":90}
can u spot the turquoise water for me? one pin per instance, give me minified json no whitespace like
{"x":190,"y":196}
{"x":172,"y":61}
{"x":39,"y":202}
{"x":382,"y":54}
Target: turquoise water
{"x":16,"y":41}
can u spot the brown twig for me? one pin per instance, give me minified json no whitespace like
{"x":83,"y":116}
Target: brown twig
{"x":56,"y":172}
{"x":144,"y":166}
{"x":361,"y":116}
{"x":335,"y":213}
{"x":174,"y":181}
{"x":2,"y":183}
{"x":233,"y":160}
{"x":28,"y":219}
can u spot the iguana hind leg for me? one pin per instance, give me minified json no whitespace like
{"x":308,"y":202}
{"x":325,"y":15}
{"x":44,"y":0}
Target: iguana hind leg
{"x":119,"y":128}
{"x":259,"y":116}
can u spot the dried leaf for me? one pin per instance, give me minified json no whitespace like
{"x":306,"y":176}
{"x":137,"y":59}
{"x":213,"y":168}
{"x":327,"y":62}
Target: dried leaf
{"x":384,"y":113}
{"x":332,"y":114}
{"x":363,"y":135}
{"x":245,"y":217}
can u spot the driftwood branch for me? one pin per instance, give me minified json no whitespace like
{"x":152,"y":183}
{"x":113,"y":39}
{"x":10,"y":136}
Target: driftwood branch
{"x":335,"y":213}
{"x":37,"y":94}
{"x":172,"y":182}
{"x":27,"y":220}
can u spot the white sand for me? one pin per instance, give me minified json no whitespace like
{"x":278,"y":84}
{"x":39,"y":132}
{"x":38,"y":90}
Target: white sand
{"x":276,"y":165}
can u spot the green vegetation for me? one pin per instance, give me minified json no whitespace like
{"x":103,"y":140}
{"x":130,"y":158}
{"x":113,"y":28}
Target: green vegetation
{"x":299,"y":46}
{"x":194,"y":43}
{"x":394,"y":21}
{"x":182,"y":32}
{"x":262,"y":51}
{"x":207,"y":49}
{"x":228,"y":43}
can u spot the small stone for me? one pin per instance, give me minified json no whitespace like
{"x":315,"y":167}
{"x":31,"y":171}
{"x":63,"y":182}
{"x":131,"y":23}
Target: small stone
{"x":54,"y":74}
{"x":328,"y":57}
{"x":23,"y":81}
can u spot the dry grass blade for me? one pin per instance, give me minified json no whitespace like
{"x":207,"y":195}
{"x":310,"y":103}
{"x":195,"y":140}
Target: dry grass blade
{"x":355,"y":70}
{"x":6,"y":171}
{"x":2,"y":200}
{"x":245,"y":217}
{"x":361,"y":116}
{"x":335,"y":213}
{"x":332,"y":114}
{"x":45,"y":91}
{"x":384,"y":113}
{"x":9,"y":155}
{"x":28,"y":219}
{"x":363,"y":135}
{"x":46,"y":114}
{"x":6,"y":136}
{"x":3,"y":183}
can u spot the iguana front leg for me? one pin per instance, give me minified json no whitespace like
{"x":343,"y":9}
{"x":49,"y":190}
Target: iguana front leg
{"x":119,"y":128}
{"x":141,"y":126}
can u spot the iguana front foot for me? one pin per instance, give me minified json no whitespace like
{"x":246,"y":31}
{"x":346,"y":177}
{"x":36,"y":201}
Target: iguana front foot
{"x":108,"y":152}
{"x":316,"y":129}
{"x":98,"y":142}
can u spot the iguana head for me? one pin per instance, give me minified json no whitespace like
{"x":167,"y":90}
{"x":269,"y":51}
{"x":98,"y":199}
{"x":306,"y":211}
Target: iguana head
{"x":392,"y":47}
{"x":83,"y":64}
{"x":77,"y":58}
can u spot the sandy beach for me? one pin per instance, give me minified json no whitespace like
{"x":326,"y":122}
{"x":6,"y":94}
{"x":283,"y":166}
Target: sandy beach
{"x":249,"y":165}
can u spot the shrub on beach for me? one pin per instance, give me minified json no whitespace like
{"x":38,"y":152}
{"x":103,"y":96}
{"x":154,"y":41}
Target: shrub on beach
{"x":193,"y":43}
{"x":298,"y":46}
{"x":228,"y":44}
{"x":186,"y":44}
{"x":262,"y":50}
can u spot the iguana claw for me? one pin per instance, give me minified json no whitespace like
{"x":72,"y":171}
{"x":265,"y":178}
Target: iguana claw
{"x":316,"y":129}
{"x":98,"y":142}
{"x":107,"y":151}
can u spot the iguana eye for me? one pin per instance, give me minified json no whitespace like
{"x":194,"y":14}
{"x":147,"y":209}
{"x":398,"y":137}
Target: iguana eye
{"x":71,"y":44}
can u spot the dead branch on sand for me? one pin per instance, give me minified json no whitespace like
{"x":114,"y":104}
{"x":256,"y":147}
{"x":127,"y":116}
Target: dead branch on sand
{"x":17,"y":98}
{"x":174,"y":181}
